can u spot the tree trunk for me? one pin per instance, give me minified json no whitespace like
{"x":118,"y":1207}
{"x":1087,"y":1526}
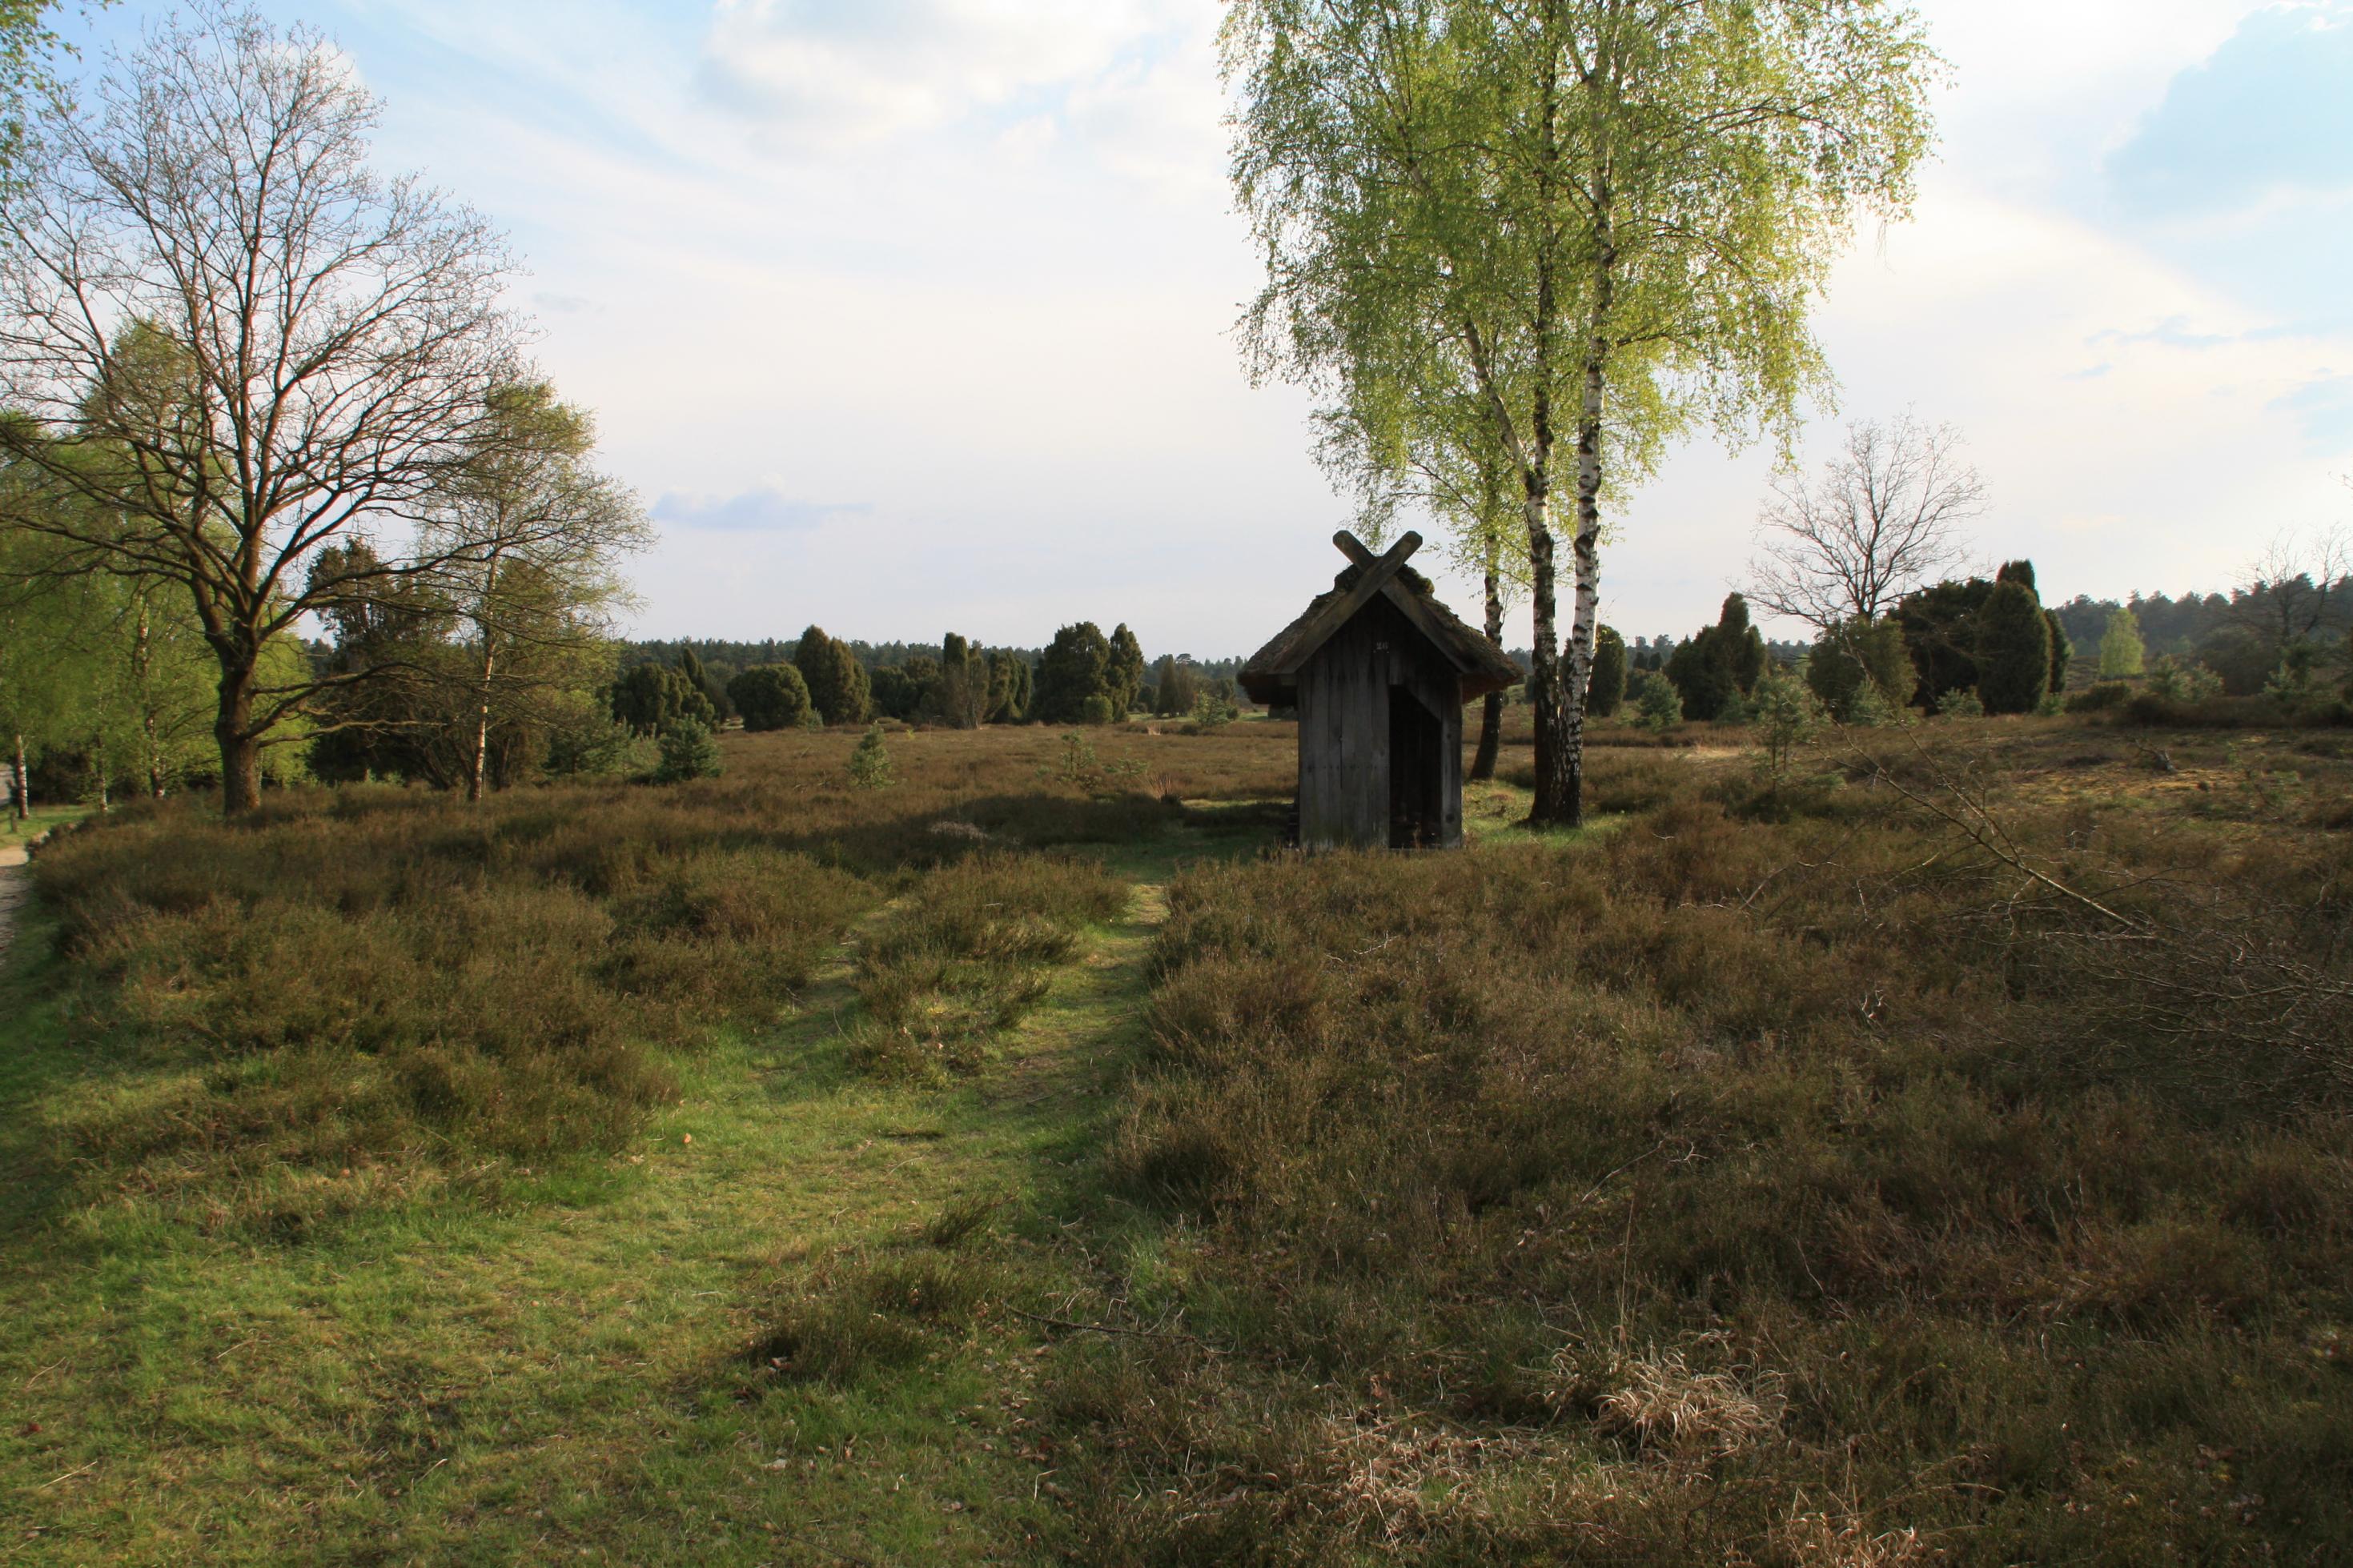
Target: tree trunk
{"x":240,"y":749}
{"x":1491,"y":712}
{"x":1585,"y":618}
{"x":1565,"y":780}
{"x":481,"y":728}
{"x":1556,"y":800}
{"x":142,"y":665}
{"x":24,"y":807}
{"x":482,"y":758}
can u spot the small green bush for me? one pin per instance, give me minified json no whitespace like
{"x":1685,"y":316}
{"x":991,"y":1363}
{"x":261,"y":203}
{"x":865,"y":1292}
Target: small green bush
{"x":1961,"y":703}
{"x":1788,"y":715}
{"x":870,"y":763}
{"x":689,"y":751}
{"x":1213,"y":709}
{"x":2178,"y":680}
{"x":1657,"y":704}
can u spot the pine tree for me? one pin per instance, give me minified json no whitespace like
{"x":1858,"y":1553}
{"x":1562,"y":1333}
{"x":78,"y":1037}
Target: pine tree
{"x":1124,"y":678}
{"x":713,"y":691}
{"x":854,"y":693}
{"x":688,"y":752}
{"x":1007,"y":684}
{"x":836,"y":681}
{"x":813,"y":657}
{"x":2013,"y":648}
{"x":869,"y":764}
{"x":655,"y":700}
{"x":1722,"y":662}
{"x":1074,"y":668}
{"x":1747,"y":644}
{"x":1606,"y":691}
{"x":1860,"y":666}
{"x":771,"y":697}
{"x":959,"y":693}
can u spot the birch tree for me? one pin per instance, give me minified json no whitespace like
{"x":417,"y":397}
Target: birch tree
{"x":1596,"y":224}
{"x":528,"y":538}
{"x":334,"y":338}
{"x":1377,"y":439}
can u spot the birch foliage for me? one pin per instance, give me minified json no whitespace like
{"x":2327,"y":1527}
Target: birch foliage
{"x":1558,"y":234}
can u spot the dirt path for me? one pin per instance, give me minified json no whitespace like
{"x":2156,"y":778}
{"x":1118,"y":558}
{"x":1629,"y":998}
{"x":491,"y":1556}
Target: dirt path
{"x":12,"y":889}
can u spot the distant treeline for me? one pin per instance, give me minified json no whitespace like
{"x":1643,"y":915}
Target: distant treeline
{"x":1082,"y":676}
{"x":2184,"y":626}
{"x":715,"y":652}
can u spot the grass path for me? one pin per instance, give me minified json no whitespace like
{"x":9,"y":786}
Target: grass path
{"x":12,"y":889}
{"x":573,"y":1372}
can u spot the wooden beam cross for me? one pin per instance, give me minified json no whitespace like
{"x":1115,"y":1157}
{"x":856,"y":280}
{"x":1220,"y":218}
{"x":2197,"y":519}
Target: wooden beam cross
{"x":1354,"y":548}
{"x":1375,"y":575}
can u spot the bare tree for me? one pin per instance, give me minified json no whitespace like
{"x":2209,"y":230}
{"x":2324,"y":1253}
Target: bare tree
{"x":1882,"y":519}
{"x":223,"y":329}
{"x":2286,"y":592}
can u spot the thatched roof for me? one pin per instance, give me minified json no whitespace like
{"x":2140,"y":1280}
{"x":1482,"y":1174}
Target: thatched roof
{"x":1272,"y":676}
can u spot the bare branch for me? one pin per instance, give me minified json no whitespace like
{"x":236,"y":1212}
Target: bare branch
{"x":1883,"y":519}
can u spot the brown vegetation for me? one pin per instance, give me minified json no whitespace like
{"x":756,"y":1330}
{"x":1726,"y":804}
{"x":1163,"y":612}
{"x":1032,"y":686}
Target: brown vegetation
{"x":1938,"y":1155}
{"x":1789,"y":1177}
{"x":355,"y":992}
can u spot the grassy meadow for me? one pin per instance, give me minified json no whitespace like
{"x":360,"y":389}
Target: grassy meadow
{"x":1937,"y":1153}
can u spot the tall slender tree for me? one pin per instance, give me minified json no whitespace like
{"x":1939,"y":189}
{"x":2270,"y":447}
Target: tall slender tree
{"x":530,"y":538}
{"x":1565,"y":230}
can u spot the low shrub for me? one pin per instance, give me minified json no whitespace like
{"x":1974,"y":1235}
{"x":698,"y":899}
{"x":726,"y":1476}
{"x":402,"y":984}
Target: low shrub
{"x":1643,"y":1194}
{"x":381,"y":980}
{"x":2100,"y":699}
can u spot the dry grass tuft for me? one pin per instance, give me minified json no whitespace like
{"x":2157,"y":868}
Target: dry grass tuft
{"x":1662,"y":1402}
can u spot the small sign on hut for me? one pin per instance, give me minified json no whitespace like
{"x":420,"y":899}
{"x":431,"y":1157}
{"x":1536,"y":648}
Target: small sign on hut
{"x":1379,"y":671}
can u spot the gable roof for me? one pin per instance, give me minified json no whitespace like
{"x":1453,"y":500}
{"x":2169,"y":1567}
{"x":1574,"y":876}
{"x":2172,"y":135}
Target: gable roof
{"x":1272,"y":676}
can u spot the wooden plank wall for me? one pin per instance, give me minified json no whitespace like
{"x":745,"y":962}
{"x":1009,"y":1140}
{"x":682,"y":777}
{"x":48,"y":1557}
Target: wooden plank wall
{"x":1343,"y":724}
{"x":1344,"y":737}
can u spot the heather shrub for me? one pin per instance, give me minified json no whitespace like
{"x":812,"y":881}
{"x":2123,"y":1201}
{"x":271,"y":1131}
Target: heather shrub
{"x":2106,"y":697}
{"x":370,"y":990}
{"x":1737,"y":1166}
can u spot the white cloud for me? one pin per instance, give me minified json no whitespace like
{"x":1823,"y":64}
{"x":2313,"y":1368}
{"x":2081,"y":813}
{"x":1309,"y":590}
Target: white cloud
{"x":1162,"y":124}
{"x":839,"y":73}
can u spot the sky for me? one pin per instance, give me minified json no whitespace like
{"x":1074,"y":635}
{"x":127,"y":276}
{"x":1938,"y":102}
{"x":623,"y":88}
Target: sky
{"x":914,"y":315}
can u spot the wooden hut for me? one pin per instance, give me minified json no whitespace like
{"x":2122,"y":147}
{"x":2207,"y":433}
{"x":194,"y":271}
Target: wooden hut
{"x":1379,"y":671}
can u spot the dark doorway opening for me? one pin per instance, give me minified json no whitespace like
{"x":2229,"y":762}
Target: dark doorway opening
{"x":1416,"y":772}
